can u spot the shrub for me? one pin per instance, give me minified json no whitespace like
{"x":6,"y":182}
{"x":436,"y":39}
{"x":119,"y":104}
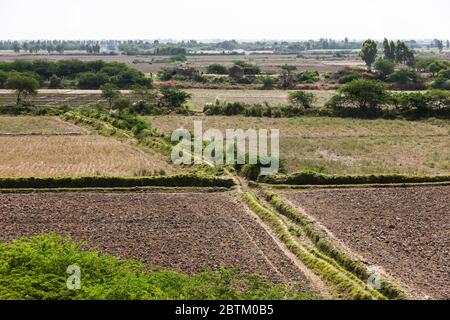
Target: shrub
{"x":35,"y":268}
{"x":414,"y":101}
{"x":248,"y":68}
{"x":308,"y":76}
{"x":301,"y":98}
{"x":268,"y":82}
{"x":173,"y":98}
{"x":348,"y":78}
{"x":384,"y":66}
{"x":217,"y":69}
{"x":55,"y":82}
{"x":91,"y":80}
{"x":364,"y":94}
{"x":406,"y":79}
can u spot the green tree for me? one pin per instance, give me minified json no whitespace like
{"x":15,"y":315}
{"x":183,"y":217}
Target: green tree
{"x":268,"y":82}
{"x":406,"y":79}
{"x":122,"y":103}
{"x":388,"y":53}
{"x":435,"y":67}
{"x":384,"y":66}
{"x":110,"y":92}
{"x":365,"y":94}
{"x":173,"y":98}
{"x":369,"y":52}
{"x":143,"y":93}
{"x":55,"y":82}
{"x":3,"y":78}
{"x":217,"y":69}
{"x":23,"y":85}
{"x":302,"y":98}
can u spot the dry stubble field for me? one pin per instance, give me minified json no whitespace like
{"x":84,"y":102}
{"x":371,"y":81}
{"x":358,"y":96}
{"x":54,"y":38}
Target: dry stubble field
{"x":406,"y":231}
{"x":46,"y":146}
{"x":343,"y":146}
{"x":199,"y":98}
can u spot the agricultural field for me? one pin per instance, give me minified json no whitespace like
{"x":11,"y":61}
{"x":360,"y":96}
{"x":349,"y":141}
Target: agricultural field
{"x":343,"y":146}
{"x":405,"y":231}
{"x":199,"y":97}
{"x":49,"y":147}
{"x":189,"y":232}
{"x":152,"y":64}
{"x":29,"y":125}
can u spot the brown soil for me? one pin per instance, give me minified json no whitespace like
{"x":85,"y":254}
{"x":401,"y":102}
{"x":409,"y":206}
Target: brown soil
{"x":185,"y":231}
{"x":406,"y":231}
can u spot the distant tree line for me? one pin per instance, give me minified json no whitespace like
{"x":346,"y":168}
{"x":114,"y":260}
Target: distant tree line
{"x":73,"y":74}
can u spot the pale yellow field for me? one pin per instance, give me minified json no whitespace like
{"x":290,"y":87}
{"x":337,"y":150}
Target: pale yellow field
{"x":87,"y":155}
{"x":274,"y":97}
{"x":37,"y":125}
{"x":343,"y":146}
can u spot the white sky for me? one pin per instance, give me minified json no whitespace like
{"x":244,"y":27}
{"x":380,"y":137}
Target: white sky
{"x":224,"y":19}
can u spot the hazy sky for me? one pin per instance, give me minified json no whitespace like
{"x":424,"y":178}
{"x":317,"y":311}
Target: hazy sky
{"x":227,"y":19}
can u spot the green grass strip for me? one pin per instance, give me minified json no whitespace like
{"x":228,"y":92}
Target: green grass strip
{"x":340,"y":282}
{"x":313,"y":178}
{"x":181,"y":180}
{"x":357,"y":268}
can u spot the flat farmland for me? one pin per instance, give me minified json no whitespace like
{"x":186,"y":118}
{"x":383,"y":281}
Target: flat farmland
{"x":343,"y":146}
{"x":85,"y":155}
{"x":189,"y":232}
{"x":152,"y":64}
{"x":29,"y":125}
{"x":405,"y":231}
{"x":199,"y":97}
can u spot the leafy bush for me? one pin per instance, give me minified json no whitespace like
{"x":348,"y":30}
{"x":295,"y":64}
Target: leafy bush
{"x":301,"y":98}
{"x":308,"y":76}
{"x":363,"y":94}
{"x":35,"y":268}
{"x":217,"y":69}
{"x":88,"y":75}
{"x":406,"y":79}
{"x":91,"y":80}
{"x":385,"y":67}
{"x":173,"y":98}
{"x":248,"y":67}
{"x":348,"y":78}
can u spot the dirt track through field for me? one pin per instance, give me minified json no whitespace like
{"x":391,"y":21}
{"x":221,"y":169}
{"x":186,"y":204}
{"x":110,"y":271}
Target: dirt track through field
{"x":185,"y":231}
{"x":406,"y":231}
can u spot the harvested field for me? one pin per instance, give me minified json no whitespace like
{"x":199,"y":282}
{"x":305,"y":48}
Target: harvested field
{"x":274,"y":97}
{"x":199,"y":98}
{"x":185,"y":231}
{"x":87,"y":155}
{"x":37,"y":125}
{"x":343,"y":146}
{"x":152,"y":64}
{"x":406,"y":231}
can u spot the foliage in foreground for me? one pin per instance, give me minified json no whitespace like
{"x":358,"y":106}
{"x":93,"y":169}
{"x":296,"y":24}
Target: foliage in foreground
{"x":35,"y":268}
